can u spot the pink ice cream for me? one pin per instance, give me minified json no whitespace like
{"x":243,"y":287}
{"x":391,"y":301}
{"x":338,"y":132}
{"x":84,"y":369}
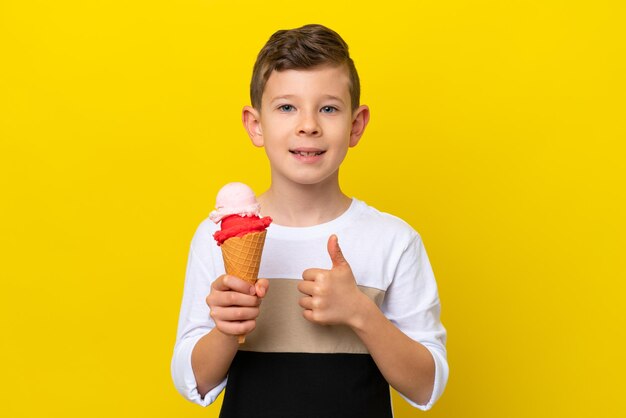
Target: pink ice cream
{"x":238,"y":211}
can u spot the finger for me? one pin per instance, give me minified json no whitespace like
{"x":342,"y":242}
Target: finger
{"x":236,"y":328}
{"x":261,"y":287}
{"x":229,"y":282}
{"x":218,"y":284}
{"x":306,"y":287}
{"x":336,"y":256}
{"x":309,"y":315}
{"x":237,"y":314}
{"x":312,"y":303}
{"x":306,"y":302}
{"x":314,"y":274}
{"x":231,"y":298}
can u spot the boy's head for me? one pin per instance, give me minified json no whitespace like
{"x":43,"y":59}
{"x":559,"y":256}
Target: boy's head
{"x":302,"y":48}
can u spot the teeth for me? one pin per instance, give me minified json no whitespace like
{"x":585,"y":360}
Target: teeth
{"x":308,"y":154}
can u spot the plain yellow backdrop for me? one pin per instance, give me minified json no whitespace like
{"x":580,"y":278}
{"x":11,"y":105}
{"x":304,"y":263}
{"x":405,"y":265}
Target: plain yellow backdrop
{"x":497,"y":131}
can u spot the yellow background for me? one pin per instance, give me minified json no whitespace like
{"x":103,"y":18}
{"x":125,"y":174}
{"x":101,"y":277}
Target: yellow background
{"x":497,"y":131}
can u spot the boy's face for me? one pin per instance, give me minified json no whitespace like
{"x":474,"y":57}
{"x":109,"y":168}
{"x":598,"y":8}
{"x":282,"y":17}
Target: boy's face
{"x":306,"y":123}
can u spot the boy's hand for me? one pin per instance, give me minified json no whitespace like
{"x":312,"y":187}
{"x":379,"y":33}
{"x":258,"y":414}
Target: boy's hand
{"x":234,"y":304}
{"x":332,"y":296}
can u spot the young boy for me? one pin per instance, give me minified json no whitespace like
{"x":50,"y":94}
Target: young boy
{"x":338,"y":325}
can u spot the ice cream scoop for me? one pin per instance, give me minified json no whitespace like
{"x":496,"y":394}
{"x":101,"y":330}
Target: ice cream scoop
{"x":238,"y":211}
{"x":235,"y":199}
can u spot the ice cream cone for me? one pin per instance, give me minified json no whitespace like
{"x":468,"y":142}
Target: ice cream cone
{"x":242,"y":255}
{"x":242,"y":258}
{"x":242,"y":231}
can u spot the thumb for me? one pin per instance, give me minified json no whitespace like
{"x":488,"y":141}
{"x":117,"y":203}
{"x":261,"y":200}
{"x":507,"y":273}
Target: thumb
{"x":336,"y":256}
{"x":261,"y":287}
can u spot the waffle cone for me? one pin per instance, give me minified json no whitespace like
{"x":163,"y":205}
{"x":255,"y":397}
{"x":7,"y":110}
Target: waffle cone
{"x":242,"y":255}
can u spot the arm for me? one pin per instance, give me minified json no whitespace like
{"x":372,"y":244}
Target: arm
{"x":197,"y":327}
{"x":332,"y":297}
{"x":234,"y":306}
{"x":407,"y":365}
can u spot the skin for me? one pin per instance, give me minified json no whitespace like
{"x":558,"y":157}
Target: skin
{"x":306,"y":126}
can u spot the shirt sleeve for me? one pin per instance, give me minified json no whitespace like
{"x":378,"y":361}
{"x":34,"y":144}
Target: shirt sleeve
{"x":412,"y":304}
{"x":194,"y":322}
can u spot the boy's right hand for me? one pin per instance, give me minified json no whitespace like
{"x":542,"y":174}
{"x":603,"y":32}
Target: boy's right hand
{"x":234,"y":304}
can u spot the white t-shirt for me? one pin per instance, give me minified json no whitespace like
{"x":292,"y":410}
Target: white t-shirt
{"x":387,"y":258}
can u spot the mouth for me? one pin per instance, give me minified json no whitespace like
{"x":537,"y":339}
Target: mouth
{"x":306,"y":153}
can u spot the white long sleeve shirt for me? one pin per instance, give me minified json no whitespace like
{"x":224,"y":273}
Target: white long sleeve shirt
{"x":389,"y":263}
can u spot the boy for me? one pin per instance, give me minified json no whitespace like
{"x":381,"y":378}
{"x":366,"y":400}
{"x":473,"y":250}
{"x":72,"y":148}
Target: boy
{"x":338,"y":325}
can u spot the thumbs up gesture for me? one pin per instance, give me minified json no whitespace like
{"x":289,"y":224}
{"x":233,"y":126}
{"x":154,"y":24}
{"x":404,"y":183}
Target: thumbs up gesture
{"x":331,"y":296}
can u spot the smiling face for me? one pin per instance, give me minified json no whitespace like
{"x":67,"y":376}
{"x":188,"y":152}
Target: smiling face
{"x":306,"y":123}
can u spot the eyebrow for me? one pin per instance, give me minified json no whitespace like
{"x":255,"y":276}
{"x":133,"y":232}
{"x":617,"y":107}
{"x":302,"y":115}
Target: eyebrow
{"x":331,"y":97}
{"x":291,"y":96}
{"x":285,"y":96}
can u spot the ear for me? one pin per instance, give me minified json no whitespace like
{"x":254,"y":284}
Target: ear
{"x":360,"y":118}
{"x":251,"y":119}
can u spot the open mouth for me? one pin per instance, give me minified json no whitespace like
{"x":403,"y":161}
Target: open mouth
{"x":307,"y":153}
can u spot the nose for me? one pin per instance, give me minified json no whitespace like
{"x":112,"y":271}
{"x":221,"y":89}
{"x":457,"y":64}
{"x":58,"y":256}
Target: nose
{"x":308,"y":124}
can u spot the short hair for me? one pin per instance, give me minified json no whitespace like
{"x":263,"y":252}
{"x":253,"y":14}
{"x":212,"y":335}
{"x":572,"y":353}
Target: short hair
{"x":302,"y":48}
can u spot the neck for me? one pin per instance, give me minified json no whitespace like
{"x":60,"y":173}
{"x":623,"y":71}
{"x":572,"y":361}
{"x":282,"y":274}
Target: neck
{"x":301,"y":205}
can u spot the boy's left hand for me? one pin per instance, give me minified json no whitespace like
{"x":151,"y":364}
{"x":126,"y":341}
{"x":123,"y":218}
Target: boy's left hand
{"x":331,"y":296}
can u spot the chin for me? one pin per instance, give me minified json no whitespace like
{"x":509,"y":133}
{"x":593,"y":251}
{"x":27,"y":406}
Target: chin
{"x":312,"y":180}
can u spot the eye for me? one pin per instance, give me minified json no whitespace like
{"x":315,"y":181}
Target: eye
{"x":286,"y":108}
{"x":328,"y":109}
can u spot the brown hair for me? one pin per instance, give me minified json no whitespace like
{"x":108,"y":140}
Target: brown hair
{"x":301,"y":48}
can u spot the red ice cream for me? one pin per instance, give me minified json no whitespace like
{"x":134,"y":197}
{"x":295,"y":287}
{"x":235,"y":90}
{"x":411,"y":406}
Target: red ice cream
{"x":238,"y":226}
